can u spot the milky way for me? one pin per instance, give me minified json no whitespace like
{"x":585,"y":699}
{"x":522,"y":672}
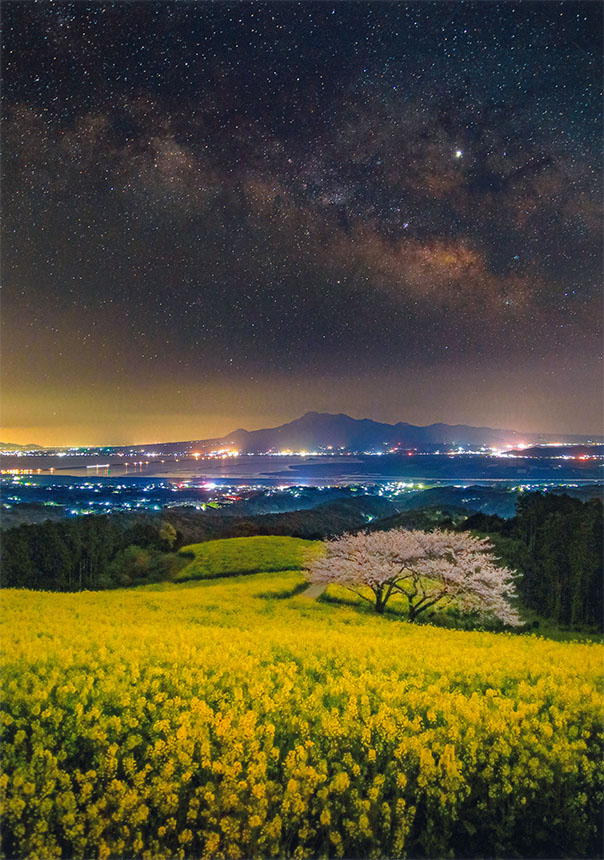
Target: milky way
{"x":218,"y":214}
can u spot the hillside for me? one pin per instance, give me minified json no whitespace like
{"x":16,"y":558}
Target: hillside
{"x":323,"y":430}
{"x":489,"y":500}
{"x":213,"y":720}
{"x":319,"y":430}
{"x":327,"y":519}
{"x":424,"y":518}
{"x":236,"y":556}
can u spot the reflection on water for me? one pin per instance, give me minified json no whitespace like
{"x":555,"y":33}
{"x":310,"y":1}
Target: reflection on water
{"x":237,"y":468}
{"x":311,"y":470}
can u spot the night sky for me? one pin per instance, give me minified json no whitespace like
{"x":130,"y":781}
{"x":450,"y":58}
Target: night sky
{"x":226,"y":214}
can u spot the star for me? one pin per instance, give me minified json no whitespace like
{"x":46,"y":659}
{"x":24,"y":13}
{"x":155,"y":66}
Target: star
{"x":283,"y":182}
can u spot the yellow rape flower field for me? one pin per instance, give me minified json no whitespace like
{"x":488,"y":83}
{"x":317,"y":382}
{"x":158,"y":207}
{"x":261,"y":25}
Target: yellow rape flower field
{"x":226,"y":719}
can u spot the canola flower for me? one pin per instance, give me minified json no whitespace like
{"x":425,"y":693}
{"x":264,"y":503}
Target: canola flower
{"x":208,"y":721}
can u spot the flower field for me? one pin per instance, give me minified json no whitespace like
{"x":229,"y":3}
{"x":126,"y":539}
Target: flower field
{"x":207,"y":720}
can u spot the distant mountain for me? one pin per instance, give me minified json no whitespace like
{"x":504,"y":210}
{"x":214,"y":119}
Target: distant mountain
{"x":11,"y":446}
{"x":323,"y":431}
{"x":317,"y":430}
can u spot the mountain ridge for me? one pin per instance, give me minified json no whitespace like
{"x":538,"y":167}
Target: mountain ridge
{"x":323,"y":431}
{"x":315,"y":430}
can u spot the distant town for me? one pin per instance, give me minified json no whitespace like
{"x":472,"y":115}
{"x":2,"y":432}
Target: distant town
{"x":296,"y":465}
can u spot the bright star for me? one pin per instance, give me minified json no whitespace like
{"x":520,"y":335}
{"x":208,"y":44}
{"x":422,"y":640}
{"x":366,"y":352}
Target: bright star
{"x":458,"y":153}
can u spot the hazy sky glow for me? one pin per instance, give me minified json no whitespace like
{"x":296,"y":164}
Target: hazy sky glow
{"x":222,"y":215}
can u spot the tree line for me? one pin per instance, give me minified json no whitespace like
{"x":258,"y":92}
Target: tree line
{"x":554,"y":542}
{"x":74,"y":554}
{"x":96,"y":552}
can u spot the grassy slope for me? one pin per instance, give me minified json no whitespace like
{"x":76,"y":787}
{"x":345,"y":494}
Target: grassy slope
{"x":234,"y":556}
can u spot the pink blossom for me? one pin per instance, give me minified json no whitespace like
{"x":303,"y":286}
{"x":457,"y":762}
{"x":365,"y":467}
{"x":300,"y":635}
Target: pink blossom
{"x":432,"y":569}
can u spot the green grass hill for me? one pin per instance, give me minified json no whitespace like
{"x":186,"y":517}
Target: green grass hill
{"x":234,"y":556}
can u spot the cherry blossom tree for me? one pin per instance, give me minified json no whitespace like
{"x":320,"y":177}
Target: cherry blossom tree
{"x":431,"y":569}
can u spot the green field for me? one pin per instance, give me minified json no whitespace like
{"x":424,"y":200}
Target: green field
{"x":234,"y":556}
{"x":232,"y":718}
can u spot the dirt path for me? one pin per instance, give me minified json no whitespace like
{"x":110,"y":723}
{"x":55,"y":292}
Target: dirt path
{"x":313,"y":591}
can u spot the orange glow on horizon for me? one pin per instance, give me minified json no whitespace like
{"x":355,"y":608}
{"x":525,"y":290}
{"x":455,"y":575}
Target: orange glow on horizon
{"x":92,"y":413}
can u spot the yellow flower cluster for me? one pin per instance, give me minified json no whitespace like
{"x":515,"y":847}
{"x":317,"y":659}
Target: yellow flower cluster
{"x":210,"y":721}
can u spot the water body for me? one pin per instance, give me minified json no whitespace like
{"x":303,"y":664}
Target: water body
{"x":309,"y":471}
{"x":233,"y":469}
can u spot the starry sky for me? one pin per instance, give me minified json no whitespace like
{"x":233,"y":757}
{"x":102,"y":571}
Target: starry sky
{"x":227,"y":214}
